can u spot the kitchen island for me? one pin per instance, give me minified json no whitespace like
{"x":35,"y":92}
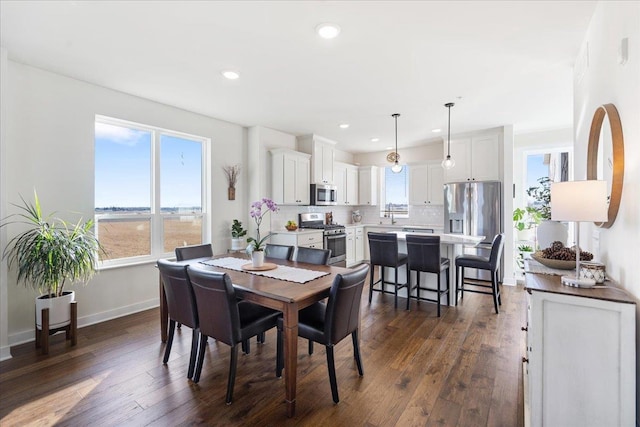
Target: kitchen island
{"x":451,"y":245}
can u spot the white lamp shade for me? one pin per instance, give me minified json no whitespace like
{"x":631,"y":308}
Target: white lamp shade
{"x":579,"y":201}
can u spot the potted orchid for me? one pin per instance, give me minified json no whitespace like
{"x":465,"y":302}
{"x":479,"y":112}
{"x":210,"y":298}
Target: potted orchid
{"x":256,"y":248}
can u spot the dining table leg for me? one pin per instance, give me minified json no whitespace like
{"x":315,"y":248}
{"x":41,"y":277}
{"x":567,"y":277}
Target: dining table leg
{"x":290,"y":356}
{"x":164,"y":311}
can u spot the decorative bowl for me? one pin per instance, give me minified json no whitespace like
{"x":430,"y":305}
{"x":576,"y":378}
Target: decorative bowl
{"x":291,"y":227}
{"x":554,"y":263}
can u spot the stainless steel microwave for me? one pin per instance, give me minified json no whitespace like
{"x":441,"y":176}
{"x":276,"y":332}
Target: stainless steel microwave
{"x":324,"y":195}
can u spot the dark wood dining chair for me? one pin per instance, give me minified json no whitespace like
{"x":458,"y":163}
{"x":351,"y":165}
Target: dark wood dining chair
{"x":424,"y":256}
{"x":181,"y":306}
{"x":223,"y":318}
{"x":383,"y":251}
{"x":330,"y":323}
{"x":313,"y":255}
{"x":195,"y":251}
{"x":278,"y":251}
{"x":490,"y":263}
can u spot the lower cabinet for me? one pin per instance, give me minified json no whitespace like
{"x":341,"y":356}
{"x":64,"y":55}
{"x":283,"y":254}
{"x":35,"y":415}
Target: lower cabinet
{"x":355,"y":245}
{"x":311,"y":239}
{"x":580,"y":359}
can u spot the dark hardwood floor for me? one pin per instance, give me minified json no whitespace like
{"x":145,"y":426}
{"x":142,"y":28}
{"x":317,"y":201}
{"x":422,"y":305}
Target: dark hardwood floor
{"x":463,"y":369}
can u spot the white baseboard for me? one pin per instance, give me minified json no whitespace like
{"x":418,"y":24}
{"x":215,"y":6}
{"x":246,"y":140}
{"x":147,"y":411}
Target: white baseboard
{"x":509,"y":281}
{"x":29,"y":335}
{"x":5,"y":353}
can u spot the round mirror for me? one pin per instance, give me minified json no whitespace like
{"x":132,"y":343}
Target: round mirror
{"x":605,"y":156}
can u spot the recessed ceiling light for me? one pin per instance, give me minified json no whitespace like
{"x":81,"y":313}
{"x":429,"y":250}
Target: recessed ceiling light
{"x":436,"y":130}
{"x":231,"y":75}
{"x":344,"y":125}
{"x":388,"y":148}
{"x":328,"y":31}
{"x":375,"y":139}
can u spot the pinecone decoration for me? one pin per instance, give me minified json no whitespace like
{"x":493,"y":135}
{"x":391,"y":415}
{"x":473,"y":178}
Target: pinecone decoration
{"x":557,"y":245}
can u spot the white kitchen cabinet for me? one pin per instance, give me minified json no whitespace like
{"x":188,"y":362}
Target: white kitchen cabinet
{"x":368,"y":185}
{"x":580,"y":363}
{"x":290,"y":177}
{"x":322,"y":152}
{"x":477,"y":158}
{"x":346,"y":181}
{"x":426,"y":184}
{"x":307,"y":239}
{"x":355,"y":245}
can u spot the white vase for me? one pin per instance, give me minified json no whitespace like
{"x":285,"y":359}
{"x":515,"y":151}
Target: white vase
{"x":257,"y":258}
{"x":551,"y":231}
{"x":59,"y":309}
{"x":525,"y":235}
{"x":237,"y":244}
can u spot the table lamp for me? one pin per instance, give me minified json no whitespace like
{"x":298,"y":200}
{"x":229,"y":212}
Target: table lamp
{"x":579,"y":201}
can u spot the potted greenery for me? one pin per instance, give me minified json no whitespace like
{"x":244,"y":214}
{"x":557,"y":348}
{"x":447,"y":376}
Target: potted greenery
{"x":548,"y":231}
{"x":525,"y":220}
{"x":237,"y":232}
{"x":48,"y":254}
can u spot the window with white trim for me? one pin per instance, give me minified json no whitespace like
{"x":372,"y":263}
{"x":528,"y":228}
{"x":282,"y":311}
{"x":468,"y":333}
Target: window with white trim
{"x":150,"y":190}
{"x":394,"y":193}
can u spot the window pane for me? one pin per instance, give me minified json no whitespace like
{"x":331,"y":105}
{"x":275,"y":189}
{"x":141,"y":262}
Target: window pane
{"x":180,"y":175}
{"x":123,"y":238}
{"x":122,"y":169}
{"x":182,"y":231}
{"x":396,"y":195}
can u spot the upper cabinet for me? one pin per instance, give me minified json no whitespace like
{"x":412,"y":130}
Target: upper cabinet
{"x":426,"y":184}
{"x":477,"y":159}
{"x":290,"y":177}
{"x":345,"y":177}
{"x":368,"y":185}
{"x":322,"y":152}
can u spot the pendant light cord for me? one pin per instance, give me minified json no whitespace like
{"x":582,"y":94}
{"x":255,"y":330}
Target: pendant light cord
{"x":449,"y":105}
{"x":395,"y":116}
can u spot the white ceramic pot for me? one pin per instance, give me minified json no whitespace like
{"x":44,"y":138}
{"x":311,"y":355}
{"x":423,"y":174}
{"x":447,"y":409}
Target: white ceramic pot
{"x":257,"y":258}
{"x":237,"y":244}
{"x":550,"y":231}
{"x":525,"y":235}
{"x":59,"y":309}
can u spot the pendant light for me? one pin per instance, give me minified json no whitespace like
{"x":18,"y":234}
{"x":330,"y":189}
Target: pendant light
{"x":396,"y":168}
{"x":448,"y":163}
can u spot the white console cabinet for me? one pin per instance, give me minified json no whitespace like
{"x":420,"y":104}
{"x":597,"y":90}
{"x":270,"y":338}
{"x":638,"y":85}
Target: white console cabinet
{"x":580,"y":364}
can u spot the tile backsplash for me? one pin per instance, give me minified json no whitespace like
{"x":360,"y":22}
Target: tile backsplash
{"x":418,"y":215}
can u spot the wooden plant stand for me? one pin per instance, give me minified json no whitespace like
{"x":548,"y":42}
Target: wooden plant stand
{"x":71,"y":330}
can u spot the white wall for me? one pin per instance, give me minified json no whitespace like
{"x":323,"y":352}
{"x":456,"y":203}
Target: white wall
{"x":49,"y":145}
{"x":603,"y":81}
{"x":412,"y":155}
{"x":4,"y":312}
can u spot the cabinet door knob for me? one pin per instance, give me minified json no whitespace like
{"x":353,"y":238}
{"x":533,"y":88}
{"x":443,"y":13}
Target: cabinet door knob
{"x":525,"y":360}
{"x":524,"y":328}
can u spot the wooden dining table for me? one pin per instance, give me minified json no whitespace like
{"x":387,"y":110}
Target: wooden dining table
{"x":287,"y":297}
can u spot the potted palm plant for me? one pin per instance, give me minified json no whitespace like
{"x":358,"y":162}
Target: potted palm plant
{"x":237,"y":234}
{"x":48,"y":254}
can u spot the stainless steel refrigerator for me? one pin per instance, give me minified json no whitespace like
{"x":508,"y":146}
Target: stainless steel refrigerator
{"x":474,"y":208}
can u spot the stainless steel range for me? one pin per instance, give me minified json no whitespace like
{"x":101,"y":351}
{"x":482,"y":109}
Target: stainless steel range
{"x":335,"y":236}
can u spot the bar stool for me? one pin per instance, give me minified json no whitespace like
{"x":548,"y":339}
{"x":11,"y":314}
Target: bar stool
{"x":424,"y":256}
{"x":383,"y":251}
{"x":481,"y":263}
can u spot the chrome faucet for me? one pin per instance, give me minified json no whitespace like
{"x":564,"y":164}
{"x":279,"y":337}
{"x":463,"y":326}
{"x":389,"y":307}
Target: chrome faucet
{"x":393,"y":220}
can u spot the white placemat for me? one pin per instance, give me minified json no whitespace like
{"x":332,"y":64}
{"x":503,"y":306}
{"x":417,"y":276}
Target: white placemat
{"x":282,"y":272}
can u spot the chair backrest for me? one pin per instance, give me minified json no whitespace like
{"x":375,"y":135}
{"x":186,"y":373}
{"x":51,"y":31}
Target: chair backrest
{"x":383,"y":249}
{"x":424,"y":253}
{"x":195,"y":251}
{"x":278,"y":251}
{"x":313,"y":256}
{"x":496,"y":251}
{"x":217,"y":304}
{"x":343,"y":307}
{"x":177,"y":288}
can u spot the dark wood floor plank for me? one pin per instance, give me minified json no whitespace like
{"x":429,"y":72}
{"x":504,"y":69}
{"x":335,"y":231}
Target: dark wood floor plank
{"x":460,"y":369}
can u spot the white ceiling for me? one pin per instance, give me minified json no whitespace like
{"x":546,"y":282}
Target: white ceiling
{"x":500,"y":62}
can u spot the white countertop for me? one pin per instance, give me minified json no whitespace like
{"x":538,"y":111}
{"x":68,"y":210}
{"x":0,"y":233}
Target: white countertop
{"x":298,"y":231}
{"x":449,"y":239}
{"x":397,"y":226}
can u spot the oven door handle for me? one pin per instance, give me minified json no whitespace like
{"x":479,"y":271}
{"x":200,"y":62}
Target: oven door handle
{"x":335,"y":236}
